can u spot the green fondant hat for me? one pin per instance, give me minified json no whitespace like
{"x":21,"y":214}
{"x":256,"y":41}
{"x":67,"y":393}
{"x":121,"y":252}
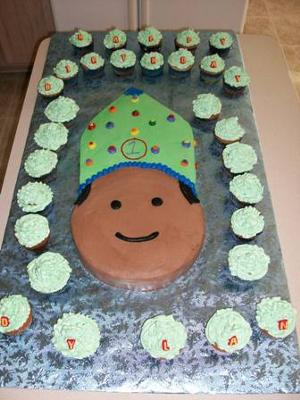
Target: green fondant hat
{"x":137,"y":131}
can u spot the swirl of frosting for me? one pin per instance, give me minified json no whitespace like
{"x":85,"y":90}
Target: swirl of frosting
{"x":40,"y":163}
{"x":247,"y":222}
{"x":65,"y":69}
{"x":276,"y":316}
{"x":81,"y":38}
{"x":114,"y":39}
{"x":76,"y":336}
{"x":34,"y":197}
{"x":92,"y":61}
{"x":51,"y":136}
{"x":31,"y":230}
{"x":62,"y":109}
{"x":248,"y":262}
{"x":163,"y":337}
{"x":50,"y":85}
{"x":228,"y":330}
{"x":188,"y":38}
{"x":49,"y":272}
{"x":123,"y":58}
{"x":152,"y":60}
{"x":14,"y":310}
{"x":239,"y":157}
{"x":221,"y":40}
{"x":229,"y":129}
{"x":150,"y":36}
{"x":236,"y":77}
{"x":212,"y":64}
{"x":206,"y":105}
{"x":247,"y":188}
{"x":181,"y":59}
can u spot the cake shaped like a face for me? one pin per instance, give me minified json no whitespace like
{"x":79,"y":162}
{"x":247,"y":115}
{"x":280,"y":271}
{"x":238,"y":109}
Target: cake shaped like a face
{"x":137,"y":222}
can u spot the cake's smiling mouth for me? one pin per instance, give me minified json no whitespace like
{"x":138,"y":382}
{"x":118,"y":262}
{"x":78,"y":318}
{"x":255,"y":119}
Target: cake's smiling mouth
{"x":139,"y":239}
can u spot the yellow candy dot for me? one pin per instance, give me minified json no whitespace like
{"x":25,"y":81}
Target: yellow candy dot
{"x":135,"y":99}
{"x":92,"y":145}
{"x":134,"y":131}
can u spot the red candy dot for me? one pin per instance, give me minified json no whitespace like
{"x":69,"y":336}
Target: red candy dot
{"x":89,"y":162}
{"x":184,"y":163}
{"x":112,"y":109}
{"x":135,"y":113}
{"x":91,"y":126}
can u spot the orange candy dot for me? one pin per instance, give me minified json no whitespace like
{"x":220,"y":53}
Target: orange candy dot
{"x":92,"y":145}
{"x":134,"y":131}
{"x":112,"y":109}
{"x":89,"y":162}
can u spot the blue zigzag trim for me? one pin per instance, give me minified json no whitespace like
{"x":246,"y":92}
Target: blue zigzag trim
{"x":132,"y":91}
{"x":139,"y":164}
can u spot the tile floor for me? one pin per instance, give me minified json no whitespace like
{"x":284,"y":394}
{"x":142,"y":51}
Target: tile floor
{"x":277,"y":18}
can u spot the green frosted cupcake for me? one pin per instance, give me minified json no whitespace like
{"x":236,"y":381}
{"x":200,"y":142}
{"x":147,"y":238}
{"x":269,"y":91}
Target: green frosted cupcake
{"x":115,"y":40}
{"x":187,"y":39}
{"x":248,"y":262}
{"x":247,"y":188}
{"x":32,"y":231}
{"x":50,"y":86}
{"x":207,"y":107}
{"x":150,"y":39}
{"x":34,"y":197}
{"x":66,"y":70}
{"x":163,"y":337}
{"x":76,"y":336}
{"x":229,"y":130}
{"x":235,"y":81}
{"x":15,"y":314}
{"x":152,"y":63}
{"x":239,"y":157}
{"x":228,"y":331}
{"x":92,"y":63}
{"x":276,"y":317}
{"x":48,"y":273}
{"x":81,"y":41}
{"x":51,"y":136}
{"x":212,"y":65}
{"x":181,"y":62}
{"x":62,"y":110}
{"x":220,"y":42}
{"x":123,"y":62}
{"x":247,"y":222}
{"x":40,"y":163}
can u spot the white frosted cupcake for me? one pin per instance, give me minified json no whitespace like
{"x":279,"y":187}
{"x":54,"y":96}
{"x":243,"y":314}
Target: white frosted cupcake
{"x":247,"y":222}
{"x":247,"y":188}
{"x":40,"y":163}
{"x":51,"y":136}
{"x":239,"y":157}
{"x":34,"y":197}
{"x":32,"y":231}
{"x":15,"y":314}
{"x":207,"y":107}
{"x":229,"y":130}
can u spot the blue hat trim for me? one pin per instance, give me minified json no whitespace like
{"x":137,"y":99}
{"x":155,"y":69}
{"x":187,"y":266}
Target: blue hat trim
{"x":139,"y":164}
{"x":132,"y":91}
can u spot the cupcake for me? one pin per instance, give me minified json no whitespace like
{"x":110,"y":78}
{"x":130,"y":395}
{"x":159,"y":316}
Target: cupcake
{"x":150,"y":39}
{"x":63,"y":109}
{"x":40,"y":163}
{"x":276,"y":317}
{"x":66,"y":70}
{"x":123,"y":62}
{"x":15,"y":314}
{"x":51,"y":136}
{"x":220,"y":42}
{"x":246,"y":188}
{"x":34,"y":197}
{"x":229,"y":130}
{"x":48,"y":273}
{"x":227,"y":331}
{"x":92,"y":64}
{"x":115,"y":40}
{"x":187,"y":39}
{"x":248,"y":262}
{"x":212,"y":65}
{"x":207,"y":107}
{"x":76,"y":336}
{"x":32,"y":231}
{"x":50,"y":86}
{"x":163,"y":337}
{"x":235,"y":81}
{"x":247,"y":222}
{"x":81,"y":41}
{"x":181,"y":62}
{"x":152,"y":64}
{"x":239,"y":157}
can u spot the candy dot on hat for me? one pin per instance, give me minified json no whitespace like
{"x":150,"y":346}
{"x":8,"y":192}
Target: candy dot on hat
{"x":184,"y":163}
{"x":89,"y":162}
{"x":91,"y":126}
{"x":155,"y":149}
{"x":186,"y":143}
{"x":112,"y":149}
{"x":109,"y":125}
{"x":112,"y":109}
{"x":134,"y":131}
{"x":171,"y":118}
{"x":135,"y":99}
{"x":92,"y":145}
{"x":152,"y":122}
{"x":135,"y":113}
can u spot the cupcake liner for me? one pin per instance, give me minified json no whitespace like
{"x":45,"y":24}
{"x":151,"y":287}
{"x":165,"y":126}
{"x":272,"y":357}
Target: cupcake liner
{"x":179,"y":74}
{"x":48,"y":98}
{"x":70,"y":82}
{"x":210,"y":79}
{"x":40,"y":246}
{"x":108,"y":52}
{"x":152,"y":73}
{"x":192,"y":49}
{"x":148,"y":49}
{"x":233,"y":92}
{"x":93,"y":73}
{"x":20,"y":330}
{"x":81,"y":51}
{"x":221,"y":52}
{"x":124,"y":71}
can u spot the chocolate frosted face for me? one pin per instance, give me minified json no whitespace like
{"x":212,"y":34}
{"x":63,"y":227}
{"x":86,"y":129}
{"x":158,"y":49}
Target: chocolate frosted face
{"x":136,"y":229}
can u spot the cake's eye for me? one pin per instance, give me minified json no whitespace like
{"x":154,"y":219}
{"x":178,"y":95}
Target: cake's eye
{"x":156,"y":201}
{"x":116,"y":204}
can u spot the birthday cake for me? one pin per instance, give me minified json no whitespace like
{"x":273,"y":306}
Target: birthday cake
{"x":137,"y":222}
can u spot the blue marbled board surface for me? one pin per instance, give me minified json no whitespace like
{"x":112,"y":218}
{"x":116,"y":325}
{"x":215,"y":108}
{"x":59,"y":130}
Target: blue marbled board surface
{"x":120,"y":364}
